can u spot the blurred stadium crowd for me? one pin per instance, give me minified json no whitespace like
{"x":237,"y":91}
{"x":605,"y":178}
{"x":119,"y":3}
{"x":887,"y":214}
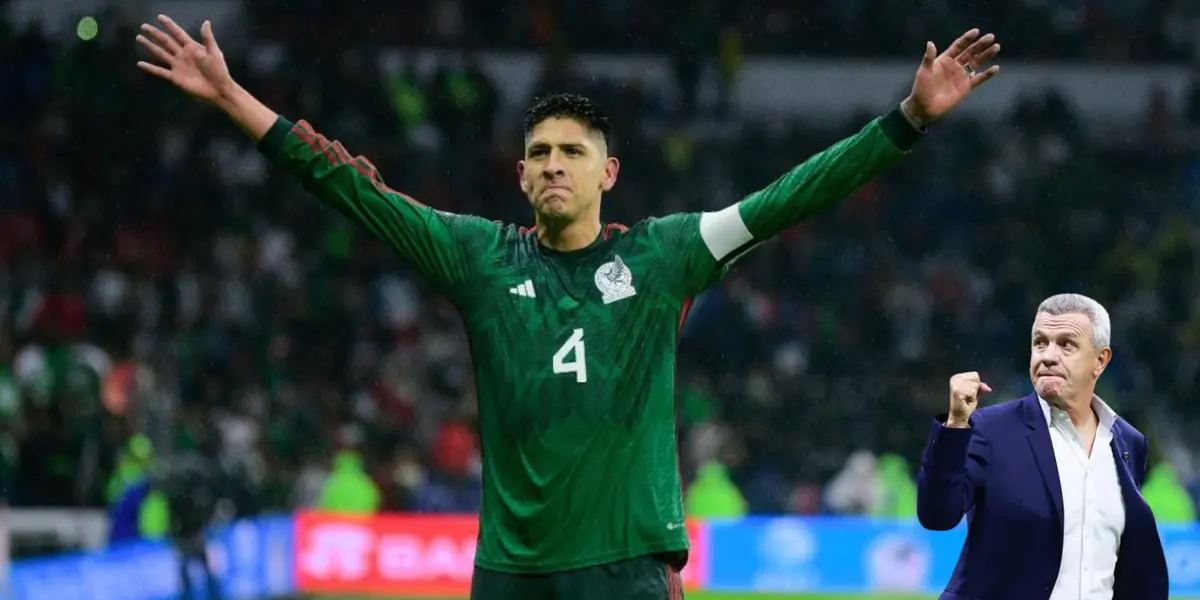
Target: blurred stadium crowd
{"x":159,"y":283}
{"x":1109,"y":30}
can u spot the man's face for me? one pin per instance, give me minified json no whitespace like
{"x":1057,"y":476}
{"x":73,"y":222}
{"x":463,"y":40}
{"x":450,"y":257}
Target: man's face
{"x":565,"y":169}
{"x":1063,"y":361}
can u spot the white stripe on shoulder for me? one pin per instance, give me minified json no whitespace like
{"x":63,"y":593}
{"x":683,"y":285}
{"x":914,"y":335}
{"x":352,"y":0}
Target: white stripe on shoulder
{"x":724,"y":231}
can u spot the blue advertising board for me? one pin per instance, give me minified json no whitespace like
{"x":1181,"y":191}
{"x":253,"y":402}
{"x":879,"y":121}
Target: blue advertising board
{"x":251,"y":560}
{"x":1182,"y":546}
{"x":836,"y":554}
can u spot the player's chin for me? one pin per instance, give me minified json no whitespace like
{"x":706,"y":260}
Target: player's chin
{"x":554,"y":207}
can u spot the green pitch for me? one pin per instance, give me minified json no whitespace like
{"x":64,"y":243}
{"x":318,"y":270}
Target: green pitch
{"x":702,"y":596}
{"x":708,"y":596}
{"x":754,"y":596}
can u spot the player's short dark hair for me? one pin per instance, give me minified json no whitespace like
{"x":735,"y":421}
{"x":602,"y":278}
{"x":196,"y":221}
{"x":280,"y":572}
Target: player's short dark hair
{"x":569,"y":106}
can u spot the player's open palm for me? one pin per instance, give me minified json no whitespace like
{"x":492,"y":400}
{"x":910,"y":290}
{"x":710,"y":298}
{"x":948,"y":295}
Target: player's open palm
{"x":197,"y":68}
{"x":965,"y":389}
{"x":944,"y":80}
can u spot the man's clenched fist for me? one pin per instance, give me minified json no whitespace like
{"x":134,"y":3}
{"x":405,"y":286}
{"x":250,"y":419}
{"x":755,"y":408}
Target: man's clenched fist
{"x":965,"y":389}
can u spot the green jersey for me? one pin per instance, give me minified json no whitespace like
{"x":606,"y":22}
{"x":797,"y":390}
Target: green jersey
{"x":574,"y":352}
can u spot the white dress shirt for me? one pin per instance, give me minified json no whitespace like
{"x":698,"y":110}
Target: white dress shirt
{"x":1093,"y":509}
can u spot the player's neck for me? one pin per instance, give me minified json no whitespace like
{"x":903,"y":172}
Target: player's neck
{"x":569,"y":236}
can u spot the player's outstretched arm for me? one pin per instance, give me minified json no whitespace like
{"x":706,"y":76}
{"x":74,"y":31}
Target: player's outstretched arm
{"x":433,"y":241}
{"x":942,"y":82}
{"x":711,"y":241}
{"x":199,"y":69}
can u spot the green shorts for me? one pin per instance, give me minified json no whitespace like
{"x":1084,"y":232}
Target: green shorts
{"x":643,"y":578}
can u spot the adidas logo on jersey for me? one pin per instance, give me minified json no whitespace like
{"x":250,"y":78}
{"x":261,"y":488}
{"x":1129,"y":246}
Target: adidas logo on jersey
{"x":525,"y":290}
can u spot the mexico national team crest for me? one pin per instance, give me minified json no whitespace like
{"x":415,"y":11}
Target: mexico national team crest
{"x":615,"y":281}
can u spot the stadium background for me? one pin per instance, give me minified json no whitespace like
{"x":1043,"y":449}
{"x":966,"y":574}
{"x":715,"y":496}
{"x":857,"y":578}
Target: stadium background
{"x":159,"y":284}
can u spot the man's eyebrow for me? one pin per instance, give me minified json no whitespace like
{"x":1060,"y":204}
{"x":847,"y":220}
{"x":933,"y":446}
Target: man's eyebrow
{"x":1037,"y":333}
{"x":541,"y":145}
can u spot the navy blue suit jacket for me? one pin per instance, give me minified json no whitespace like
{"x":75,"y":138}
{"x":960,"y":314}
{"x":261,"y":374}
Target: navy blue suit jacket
{"x":1001,"y":474}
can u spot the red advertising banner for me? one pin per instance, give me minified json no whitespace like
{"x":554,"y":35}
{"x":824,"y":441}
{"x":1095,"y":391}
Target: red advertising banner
{"x":419,"y":555}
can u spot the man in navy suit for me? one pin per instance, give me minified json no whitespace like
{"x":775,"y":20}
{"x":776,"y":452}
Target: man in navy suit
{"x":1050,"y":483}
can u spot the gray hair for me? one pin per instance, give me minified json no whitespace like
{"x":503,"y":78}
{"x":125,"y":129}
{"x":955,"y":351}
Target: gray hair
{"x":1067,"y":304}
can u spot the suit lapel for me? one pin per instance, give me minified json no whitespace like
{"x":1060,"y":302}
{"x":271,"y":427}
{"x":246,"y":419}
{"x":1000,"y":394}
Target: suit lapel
{"x":1043,"y":452}
{"x":1137,"y":513}
{"x":1122,"y":458}
{"x":1129,"y":489}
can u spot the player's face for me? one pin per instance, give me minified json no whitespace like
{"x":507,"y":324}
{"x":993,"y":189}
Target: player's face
{"x":566,"y":168}
{"x":1063,"y":361}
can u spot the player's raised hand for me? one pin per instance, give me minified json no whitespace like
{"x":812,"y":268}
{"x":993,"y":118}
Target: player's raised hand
{"x":945,"y":80}
{"x":196,"y":67}
{"x":965,"y":389}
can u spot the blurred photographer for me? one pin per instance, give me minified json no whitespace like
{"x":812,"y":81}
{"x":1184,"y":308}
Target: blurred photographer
{"x":192,"y":483}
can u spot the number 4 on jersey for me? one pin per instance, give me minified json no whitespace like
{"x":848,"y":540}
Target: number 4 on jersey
{"x":571,"y":357}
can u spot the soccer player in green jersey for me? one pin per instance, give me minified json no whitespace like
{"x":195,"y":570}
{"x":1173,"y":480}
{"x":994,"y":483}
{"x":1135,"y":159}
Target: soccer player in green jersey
{"x":573,"y":323}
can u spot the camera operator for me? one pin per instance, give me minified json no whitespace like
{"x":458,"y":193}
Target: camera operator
{"x":192,"y":483}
